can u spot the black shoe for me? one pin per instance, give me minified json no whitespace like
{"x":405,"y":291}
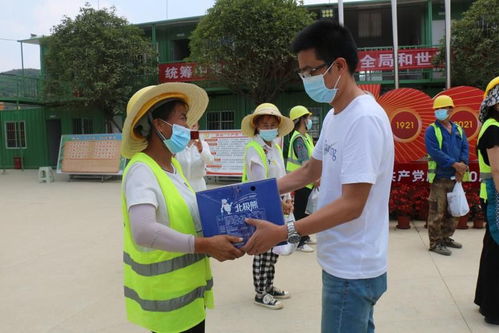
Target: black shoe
{"x":268,"y":301}
{"x":491,"y":321}
{"x":279,"y":294}
{"x":449,"y":242}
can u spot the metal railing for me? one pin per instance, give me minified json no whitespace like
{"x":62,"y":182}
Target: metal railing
{"x":24,"y":89}
{"x":16,"y":88}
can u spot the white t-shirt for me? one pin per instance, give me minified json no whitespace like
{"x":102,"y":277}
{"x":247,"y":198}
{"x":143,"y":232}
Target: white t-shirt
{"x":194,"y":164}
{"x":255,"y":168}
{"x":141,"y":187}
{"x":356,"y":146}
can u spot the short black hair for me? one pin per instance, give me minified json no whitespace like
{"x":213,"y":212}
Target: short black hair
{"x":330,"y":41}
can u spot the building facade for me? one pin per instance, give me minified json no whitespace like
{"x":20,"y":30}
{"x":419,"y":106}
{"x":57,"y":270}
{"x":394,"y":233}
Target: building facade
{"x":30,"y":131}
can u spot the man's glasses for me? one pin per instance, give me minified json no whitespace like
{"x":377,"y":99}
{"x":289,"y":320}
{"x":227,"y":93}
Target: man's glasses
{"x":310,"y":72}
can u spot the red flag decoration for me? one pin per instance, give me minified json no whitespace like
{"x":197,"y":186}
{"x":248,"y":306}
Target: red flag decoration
{"x":410,"y":112}
{"x":373,"y":89}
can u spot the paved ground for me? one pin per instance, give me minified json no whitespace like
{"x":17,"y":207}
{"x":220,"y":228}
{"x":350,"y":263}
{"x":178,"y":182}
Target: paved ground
{"x":60,"y":271}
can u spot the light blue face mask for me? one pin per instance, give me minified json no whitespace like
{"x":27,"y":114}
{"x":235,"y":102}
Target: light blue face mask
{"x":441,"y":114}
{"x":309,"y":124}
{"x":268,"y":135}
{"x":316,"y":88}
{"x":179,"y":139}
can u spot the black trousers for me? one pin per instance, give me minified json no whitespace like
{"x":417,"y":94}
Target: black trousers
{"x":487,"y":288}
{"x":301,"y":200}
{"x":199,"y":328}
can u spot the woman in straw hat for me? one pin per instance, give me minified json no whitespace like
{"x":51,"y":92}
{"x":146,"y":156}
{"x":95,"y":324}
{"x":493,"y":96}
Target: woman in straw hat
{"x":168,"y":282}
{"x":487,"y":288}
{"x":263,"y":159}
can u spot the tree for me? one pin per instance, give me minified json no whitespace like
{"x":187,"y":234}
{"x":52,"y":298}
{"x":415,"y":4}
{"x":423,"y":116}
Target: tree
{"x":475,"y":45}
{"x":99,"y":58}
{"x":246,"y":45}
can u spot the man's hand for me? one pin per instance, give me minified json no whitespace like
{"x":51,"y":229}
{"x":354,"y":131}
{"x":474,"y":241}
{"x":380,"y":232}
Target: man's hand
{"x":265,"y":237}
{"x":220,"y":247}
{"x":317,"y":183}
{"x":459,"y":177}
{"x":460,"y":167}
{"x":287,"y":207}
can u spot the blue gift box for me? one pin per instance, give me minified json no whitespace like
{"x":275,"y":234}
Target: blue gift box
{"x":224,"y":209}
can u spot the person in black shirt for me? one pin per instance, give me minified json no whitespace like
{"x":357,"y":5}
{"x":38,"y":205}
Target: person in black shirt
{"x":487,"y":289}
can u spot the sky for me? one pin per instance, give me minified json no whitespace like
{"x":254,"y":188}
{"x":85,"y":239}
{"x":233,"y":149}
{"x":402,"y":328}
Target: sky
{"x":19,"y":19}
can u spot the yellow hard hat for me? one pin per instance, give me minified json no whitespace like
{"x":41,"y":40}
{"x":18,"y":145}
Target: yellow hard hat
{"x":298,"y":111}
{"x":494,"y":82}
{"x":443,"y":101}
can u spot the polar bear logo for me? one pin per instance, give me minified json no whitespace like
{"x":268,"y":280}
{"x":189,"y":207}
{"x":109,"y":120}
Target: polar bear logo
{"x":226,"y":206}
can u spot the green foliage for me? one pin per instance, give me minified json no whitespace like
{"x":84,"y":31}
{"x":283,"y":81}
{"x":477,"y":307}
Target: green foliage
{"x":475,"y":45}
{"x":99,"y":58}
{"x":246,"y":44}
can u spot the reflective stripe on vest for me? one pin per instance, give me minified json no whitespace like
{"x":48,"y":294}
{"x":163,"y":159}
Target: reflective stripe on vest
{"x":432,"y":165}
{"x":163,"y":267}
{"x":172,"y":304}
{"x":293,"y":163}
{"x":261,"y":153}
{"x":485,"y":170}
{"x":165,"y":291}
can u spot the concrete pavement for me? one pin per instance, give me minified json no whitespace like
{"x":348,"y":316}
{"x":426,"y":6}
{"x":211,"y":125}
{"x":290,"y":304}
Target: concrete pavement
{"x":61,"y":261}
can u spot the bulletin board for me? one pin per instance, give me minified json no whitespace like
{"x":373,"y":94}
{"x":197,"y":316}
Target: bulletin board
{"x":90,"y":154}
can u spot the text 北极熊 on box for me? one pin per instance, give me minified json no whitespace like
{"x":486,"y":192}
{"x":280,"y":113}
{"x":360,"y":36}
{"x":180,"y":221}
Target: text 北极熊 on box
{"x":224,"y":209}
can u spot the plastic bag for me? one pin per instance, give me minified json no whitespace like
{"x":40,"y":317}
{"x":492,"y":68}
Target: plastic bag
{"x":288,"y":248}
{"x":456,"y":201}
{"x":313,"y":198}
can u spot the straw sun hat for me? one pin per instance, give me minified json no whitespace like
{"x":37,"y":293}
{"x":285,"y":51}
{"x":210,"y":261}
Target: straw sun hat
{"x":134,"y":140}
{"x":248,"y":126}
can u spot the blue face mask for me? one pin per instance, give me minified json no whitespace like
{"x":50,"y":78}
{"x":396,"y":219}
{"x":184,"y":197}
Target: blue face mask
{"x":179,"y":139}
{"x":441,"y":114}
{"x":268,"y":135}
{"x":316,"y":88}
{"x":309,"y":124}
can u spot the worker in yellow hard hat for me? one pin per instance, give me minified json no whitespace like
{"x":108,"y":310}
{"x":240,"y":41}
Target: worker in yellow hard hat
{"x":487,"y":293}
{"x":447,"y":149}
{"x":301,"y":147}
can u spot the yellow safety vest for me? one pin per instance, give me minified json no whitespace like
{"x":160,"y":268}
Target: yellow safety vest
{"x":293,"y":163}
{"x":485,"y":170}
{"x":432,"y":165}
{"x":165,"y":291}
{"x":261,"y":154}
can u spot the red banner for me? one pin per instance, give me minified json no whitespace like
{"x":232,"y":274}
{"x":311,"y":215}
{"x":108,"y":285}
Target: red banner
{"x":181,"y":72}
{"x":382,"y":60}
{"x":417,"y":173}
{"x":372,"y":60}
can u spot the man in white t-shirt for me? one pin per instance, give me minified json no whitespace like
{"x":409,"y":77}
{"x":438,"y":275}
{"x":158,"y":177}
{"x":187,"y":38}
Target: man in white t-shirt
{"x":354,"y":159}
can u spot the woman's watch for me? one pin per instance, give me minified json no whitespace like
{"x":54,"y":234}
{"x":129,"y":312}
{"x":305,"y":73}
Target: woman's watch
{"x":293,"y":236}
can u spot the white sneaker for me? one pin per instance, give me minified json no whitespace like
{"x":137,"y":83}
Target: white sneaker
{"x":284,"y":250}
{"x":305,"y":248}
{"x":311,"y":241}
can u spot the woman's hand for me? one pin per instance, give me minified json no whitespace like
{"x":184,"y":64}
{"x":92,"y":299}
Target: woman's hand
{"x":220,"y":247}
{"x":287,"y":206}
{"x":198,"y":145}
